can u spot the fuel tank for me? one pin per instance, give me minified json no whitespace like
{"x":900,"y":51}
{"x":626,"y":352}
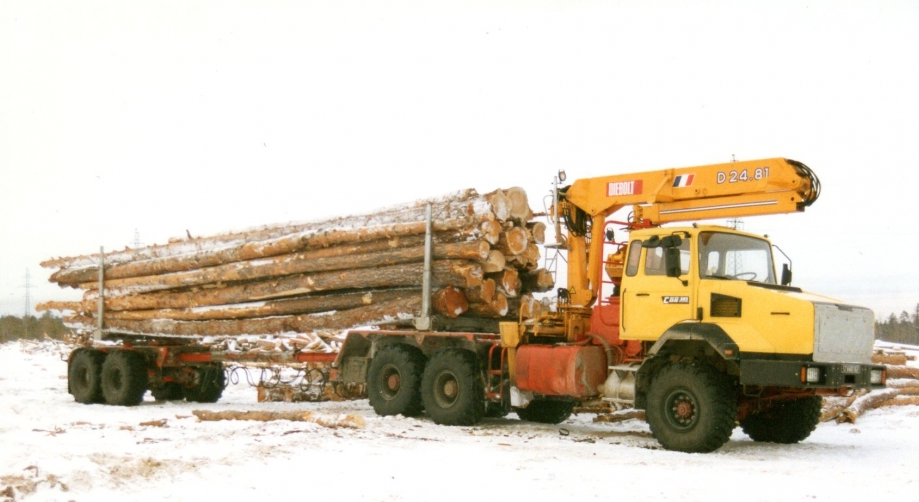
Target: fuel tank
{"x":561,"y":370}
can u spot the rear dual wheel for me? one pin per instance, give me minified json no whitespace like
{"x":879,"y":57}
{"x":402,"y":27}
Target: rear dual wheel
{"x":85,"y":376}
{"x":394,"y":383}
{"x":452,"y":392}
{"x":124,"y":378}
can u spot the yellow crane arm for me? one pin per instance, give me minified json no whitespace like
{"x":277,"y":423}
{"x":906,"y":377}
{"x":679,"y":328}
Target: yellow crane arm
{"x":768,"y":186}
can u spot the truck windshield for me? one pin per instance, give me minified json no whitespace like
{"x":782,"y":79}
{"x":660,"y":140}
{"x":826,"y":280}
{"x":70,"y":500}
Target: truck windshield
{"x":731,"y":256}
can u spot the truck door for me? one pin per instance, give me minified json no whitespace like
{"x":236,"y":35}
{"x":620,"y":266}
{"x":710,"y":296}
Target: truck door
{"x":653,"y":302}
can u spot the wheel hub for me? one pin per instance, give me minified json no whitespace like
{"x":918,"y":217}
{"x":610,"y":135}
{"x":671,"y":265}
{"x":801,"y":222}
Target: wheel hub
{"x":450,"y":389}
{"x":394,"y":382}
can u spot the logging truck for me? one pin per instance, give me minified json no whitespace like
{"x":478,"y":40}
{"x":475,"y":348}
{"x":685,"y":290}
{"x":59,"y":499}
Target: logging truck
{"x":693,"y":324}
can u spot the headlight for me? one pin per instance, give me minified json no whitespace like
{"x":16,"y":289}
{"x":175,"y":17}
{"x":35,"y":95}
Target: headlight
{"x":810,"y":375}
{"x":877,"y":377}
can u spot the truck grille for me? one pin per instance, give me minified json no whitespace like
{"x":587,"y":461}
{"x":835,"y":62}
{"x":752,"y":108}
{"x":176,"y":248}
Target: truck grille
{"x":843,"y":333}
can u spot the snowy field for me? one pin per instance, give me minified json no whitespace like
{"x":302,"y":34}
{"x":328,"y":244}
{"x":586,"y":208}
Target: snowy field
{"x":54,"y":449}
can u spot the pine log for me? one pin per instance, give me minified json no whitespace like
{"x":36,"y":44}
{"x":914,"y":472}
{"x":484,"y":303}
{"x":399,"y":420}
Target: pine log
{"x":903,"y":372}
{"x":343,"y":319}
{"x":867,"y":402}
{"x":513,"y":241}
{"x":529,"y":259}
{"x":901,"y":383}
{"x":292,"y":306}
{"x":538,"y":281}
{"x":462,"y":204}
{"x":537,"y":231}
{"x":206,"y":257}
{"x":507,"y":282}
{"x":527,"y":307}
{"x":457,"y":273}
{"x":284,"y":265}
{"x":483,"y":293}
{"x":520,"y":205}
{"x":349,"y":421}
{"x":450,"y":301}
{"x":496,"y":308}
{"x":900,"y":401}
{"x":889,"y":359}
{"x":501,"y":205}
{"x":495,"y":262}
{"x":490,"y":231}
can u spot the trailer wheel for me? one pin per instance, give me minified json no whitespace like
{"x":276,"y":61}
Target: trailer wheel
{"x":209,"y":384}
{"x":124,"y":378}
{"x":451,"y":390}
{"x":786,"y":422}
{"x":394,"y":381}
{"x":546,"y":412}
{"x":169,"y":391}
{"x":85,"y":375}
{"x":691,"y":408}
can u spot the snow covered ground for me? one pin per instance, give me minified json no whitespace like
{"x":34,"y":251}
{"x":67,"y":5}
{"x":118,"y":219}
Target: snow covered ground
{"x":54,"y":449}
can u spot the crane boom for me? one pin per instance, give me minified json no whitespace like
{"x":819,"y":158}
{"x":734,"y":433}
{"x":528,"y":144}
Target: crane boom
{"x":746,"y":188}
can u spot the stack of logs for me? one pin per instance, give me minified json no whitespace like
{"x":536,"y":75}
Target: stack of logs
{"x":902,"y":389}
{"x":320,"y":276}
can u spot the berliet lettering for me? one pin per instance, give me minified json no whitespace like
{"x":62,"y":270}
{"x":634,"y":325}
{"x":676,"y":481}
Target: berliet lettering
{"x":676,"y":299}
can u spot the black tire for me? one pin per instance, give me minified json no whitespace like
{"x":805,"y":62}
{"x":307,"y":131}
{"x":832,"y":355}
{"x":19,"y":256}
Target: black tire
{"x":452,"y":392}
{"x":170,"y":391}
{"x":691,"y":408}
{"x":124,"y":378}
{"x":84,"y":376}
{"x":546,"y":412}
{"x":496,"y":410}
{"x":786,"y":422}
{"x":209,"y":384}
{"x":394,"y":381}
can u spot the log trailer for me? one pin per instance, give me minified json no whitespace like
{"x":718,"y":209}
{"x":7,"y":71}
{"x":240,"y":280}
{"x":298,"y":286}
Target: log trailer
{"x":692,"y":324}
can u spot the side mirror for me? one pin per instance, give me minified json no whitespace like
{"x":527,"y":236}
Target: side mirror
{"x":672,"y":262}
{"x":672,"y":241}
{"x":610,"y":235}
{"x":786,"y":274}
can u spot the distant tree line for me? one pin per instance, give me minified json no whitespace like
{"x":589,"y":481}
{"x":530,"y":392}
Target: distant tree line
{"x":31,"y":327}
{"x":903,"y":328}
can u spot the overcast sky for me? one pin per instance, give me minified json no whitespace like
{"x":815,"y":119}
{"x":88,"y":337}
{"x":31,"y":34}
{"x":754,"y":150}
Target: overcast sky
{"x":211,"y":116}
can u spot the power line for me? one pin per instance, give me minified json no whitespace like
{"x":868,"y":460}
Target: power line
{"x":28,"y":285}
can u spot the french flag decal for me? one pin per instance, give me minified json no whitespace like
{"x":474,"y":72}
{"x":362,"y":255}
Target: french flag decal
{"x":683,"y":180}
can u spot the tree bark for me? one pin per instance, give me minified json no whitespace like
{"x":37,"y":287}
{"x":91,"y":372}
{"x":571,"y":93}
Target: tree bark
{"x":457,"y":273}
{"x":302,"y":263}
{"x":343,"y":319}
{"x":463,"y":204}
{"x":293,"y":306}
{"x":865,"y":403}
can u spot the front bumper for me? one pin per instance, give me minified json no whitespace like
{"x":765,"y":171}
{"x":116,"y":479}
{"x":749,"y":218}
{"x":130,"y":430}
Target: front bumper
{"x":764,"y":372}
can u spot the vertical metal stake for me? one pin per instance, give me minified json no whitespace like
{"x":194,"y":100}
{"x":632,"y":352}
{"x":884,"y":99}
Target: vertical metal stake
{"x":98,"y":334}
{"x":424,"y":322}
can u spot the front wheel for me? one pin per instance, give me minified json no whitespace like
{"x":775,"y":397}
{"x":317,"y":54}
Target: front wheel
{"x":451,"y":389}
{"x":691,"y":408}
{"x":786,"y":422}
